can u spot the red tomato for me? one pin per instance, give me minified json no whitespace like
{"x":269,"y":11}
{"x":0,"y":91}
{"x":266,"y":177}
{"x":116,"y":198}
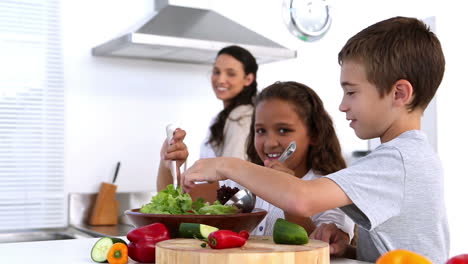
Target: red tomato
{"x":460,"y":259}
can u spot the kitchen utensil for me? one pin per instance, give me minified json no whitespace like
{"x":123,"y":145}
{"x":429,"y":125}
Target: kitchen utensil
{"x":288,"y":151}
{"x":257,"y":250}
{"x":116,"y":172}
{"x":106,"y":207}
{"x":244,"y":200}
{"x":235,"y":222}
{"x":170,"y":133}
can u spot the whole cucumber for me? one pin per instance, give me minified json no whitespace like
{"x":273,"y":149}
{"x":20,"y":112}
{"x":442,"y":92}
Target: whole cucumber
{"x":288,"y":233}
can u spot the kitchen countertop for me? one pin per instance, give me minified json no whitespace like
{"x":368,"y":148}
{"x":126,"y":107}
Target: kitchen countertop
{"x":70,"y":251}
{"x":99,"y":231}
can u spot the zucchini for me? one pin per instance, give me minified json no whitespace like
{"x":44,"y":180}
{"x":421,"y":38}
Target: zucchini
{"x":285,"y":232}
{"x":193,"y":230}
{"x":102,"y":247}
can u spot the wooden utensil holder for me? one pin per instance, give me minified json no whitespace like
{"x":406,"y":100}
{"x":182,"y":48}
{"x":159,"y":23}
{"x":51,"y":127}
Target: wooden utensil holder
{"x":106,"y":207}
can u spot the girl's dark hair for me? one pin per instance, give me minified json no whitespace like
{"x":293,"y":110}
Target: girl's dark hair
{"x":324,"y":156}
{"x":245,"y":97}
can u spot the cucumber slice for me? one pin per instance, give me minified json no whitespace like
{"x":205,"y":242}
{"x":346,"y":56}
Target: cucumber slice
{"x":101,"y":248}
{"x":285,"y":232}
{"x":206,"y":230}
{"x":193,"y":230}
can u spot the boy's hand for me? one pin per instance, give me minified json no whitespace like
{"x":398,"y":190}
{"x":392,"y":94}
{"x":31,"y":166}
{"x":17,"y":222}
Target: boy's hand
{"x":177,"y":150}
{"x":278,"y":165}
{"x":204,"y":170}
{"x":330,"y":233}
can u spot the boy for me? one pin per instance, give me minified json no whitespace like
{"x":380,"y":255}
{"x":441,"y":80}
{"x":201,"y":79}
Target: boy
{"x":390,"y":71}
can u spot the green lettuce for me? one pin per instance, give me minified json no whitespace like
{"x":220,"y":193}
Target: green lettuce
{"x":217,"y":209}
{"x":173,"y":201}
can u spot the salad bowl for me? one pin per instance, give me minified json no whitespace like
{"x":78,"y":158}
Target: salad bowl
{"x":235,"y":222}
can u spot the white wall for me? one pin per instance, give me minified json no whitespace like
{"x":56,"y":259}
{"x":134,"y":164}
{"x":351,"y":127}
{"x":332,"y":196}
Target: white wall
{"x":117,"y":109}
{"x":451,"y":120}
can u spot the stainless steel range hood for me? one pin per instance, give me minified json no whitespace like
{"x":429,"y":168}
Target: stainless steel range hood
{"x":191,"y":35}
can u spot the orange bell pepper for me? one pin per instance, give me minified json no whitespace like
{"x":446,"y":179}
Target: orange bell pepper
{"x":402,"y":256}
{"x":118,"y":254}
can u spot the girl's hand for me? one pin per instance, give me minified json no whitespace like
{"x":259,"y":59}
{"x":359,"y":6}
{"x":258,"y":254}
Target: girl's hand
{"x":203,"y":170}
{"x":278,"y":165}
{"x":177,"y":150}
{"x":337,"y":238}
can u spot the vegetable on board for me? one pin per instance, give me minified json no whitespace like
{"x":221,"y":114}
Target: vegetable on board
{"x":143,"y":241}
{"x":458,"y":259}
{"x":118,"y":254}
{"x":285,"y":232}
{"x":194,"y":230}
{"x":222,"y":239}
{"x":102,"y":247}
{"x":244,"y":233}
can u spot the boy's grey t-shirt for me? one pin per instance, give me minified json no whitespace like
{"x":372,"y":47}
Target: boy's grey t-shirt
{"x":398,"y":199}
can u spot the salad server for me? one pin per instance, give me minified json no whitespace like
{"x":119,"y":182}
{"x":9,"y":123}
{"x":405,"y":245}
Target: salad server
{"x":288,"y":151}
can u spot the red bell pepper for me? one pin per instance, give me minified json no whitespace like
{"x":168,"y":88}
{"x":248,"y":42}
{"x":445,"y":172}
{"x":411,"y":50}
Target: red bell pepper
{"x":225,"y":239}
{"x":244,"y":233}
{"x":143,"y":241}
{"x":459,"y":259}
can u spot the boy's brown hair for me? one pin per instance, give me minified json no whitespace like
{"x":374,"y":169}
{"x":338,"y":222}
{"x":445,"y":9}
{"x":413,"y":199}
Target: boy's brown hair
{"x":399,"y":48}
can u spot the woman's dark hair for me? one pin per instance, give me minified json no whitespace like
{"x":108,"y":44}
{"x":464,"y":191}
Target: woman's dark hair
{"x":245,"y":97}
{"x":324,"y":156}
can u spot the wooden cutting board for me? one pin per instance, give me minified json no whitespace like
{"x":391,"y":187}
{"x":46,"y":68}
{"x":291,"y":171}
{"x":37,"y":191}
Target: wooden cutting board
{"x":258,"y":249}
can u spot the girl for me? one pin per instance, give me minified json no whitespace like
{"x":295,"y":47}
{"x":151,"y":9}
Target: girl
{"x":286,"y":112}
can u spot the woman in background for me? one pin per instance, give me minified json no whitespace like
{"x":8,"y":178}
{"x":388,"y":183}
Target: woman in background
{"x":234,"y":82}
